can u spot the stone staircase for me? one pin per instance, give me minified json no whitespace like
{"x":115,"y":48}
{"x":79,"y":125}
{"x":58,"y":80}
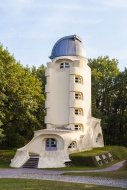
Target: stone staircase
{"x":32,"y":162}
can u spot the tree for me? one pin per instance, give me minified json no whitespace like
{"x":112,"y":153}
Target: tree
{"x":120,"y":108}
{"x":1,"y":135}
{"x":40,"y":74}
{"x":20,"y":97}
{"x":104,"y":72}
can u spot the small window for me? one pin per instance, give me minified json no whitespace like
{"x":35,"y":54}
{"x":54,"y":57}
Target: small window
{"x":72,"y":145}
{"x":51,"y":144}
{"x":78,"y":111}
{"x":78,"y":127}
{"x":78,"y":95}
{"x":64,"y":65}
{"x":78,"y":79}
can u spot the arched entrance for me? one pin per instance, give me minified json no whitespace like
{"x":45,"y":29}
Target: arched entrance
{"x":50,"y":144}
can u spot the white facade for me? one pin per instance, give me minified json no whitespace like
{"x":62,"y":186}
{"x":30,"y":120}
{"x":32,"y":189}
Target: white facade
{"x":69,"y":125}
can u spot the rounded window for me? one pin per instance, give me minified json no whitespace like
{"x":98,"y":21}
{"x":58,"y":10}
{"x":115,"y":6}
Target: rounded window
{"x":78,"y":127}
{"x":72,"y":145}
{"x":50,"y":144}
{"x":78,"y":111}
{"x":78,"y":95}
{"x":64,"y":65}
{"x":78,"y":79}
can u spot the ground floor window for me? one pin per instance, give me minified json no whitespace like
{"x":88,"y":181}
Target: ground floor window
{"x":50,"y":144}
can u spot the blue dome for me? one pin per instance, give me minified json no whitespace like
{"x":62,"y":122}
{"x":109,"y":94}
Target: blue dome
{"x":68,"y":46}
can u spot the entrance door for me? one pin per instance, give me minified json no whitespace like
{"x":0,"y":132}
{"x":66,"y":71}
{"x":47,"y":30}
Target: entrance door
{"x":50,"y":144}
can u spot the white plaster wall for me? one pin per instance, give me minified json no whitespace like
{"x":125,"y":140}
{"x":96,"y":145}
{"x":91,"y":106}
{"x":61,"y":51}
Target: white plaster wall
{"x":53,"y":159}
{"x":20,"y":158}
{"x":59,"y":101}
{"x":96,"y":133}
{"x":60,"y":89}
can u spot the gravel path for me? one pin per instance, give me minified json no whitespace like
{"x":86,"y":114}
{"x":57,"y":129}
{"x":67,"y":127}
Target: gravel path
{"x":55,"y":176}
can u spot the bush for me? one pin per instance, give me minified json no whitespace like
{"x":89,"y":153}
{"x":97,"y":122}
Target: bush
{"x":5,"y":157}
{"x":87,"y":158}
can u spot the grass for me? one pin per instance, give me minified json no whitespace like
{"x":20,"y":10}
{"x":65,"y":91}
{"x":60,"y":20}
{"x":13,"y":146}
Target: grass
{"x":5,"y":158}
{"x":118,"y":152}
{"x":27,"y":184}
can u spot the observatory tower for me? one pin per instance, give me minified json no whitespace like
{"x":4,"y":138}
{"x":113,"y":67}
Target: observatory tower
{"x":70,"y":128}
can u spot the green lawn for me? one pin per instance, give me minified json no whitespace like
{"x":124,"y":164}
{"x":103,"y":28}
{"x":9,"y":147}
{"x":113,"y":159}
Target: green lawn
{"x":27,"y":184}
{"x":118,"y":152}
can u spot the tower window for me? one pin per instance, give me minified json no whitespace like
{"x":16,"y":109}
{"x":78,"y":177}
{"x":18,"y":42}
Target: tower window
{"x":78,"y":127}
{"x":78,"y":95}
{"x":78,"y":79}
{"x":78,"y":111}
{"x":64,"y":65}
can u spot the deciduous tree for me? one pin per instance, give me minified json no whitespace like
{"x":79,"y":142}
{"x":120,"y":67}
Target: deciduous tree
{"x":20,"y":97}
{"x":104,"y":72}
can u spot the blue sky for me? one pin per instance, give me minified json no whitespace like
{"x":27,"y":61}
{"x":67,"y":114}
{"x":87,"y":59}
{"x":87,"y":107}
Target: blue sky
{"x":30,"y":28}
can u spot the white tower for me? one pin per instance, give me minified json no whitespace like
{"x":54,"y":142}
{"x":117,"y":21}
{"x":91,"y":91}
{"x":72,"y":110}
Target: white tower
{"x":68,"y":88}
{"x":69,"y":125}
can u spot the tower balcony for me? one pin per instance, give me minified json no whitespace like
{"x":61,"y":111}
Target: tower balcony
{"x":76,"y":71}
{"x":74,"y":103}
{"x":76,"y":119}
{"x":76,"y":87}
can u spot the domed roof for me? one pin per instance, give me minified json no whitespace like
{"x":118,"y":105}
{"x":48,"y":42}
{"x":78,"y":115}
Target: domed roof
{"x":68,"y":46}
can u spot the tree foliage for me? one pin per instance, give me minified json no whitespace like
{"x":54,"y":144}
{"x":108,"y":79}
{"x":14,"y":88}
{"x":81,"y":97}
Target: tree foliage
{"x":109,"y":92}
{"x":20,"y":98}
{"x":119,"y":115}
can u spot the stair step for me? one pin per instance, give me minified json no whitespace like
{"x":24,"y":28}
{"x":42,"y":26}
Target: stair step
{"x":32,"y":162}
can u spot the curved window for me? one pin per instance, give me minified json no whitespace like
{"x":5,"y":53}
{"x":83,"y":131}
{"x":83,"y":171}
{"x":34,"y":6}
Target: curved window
{"x":78,"y":127}
{"x":64,"y":65}
{"x":78,"y":79}
{"x":78,"y":111}
{"x":50,"y":144}
{"x":72,"y":145}
{"x":78,"y":95}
